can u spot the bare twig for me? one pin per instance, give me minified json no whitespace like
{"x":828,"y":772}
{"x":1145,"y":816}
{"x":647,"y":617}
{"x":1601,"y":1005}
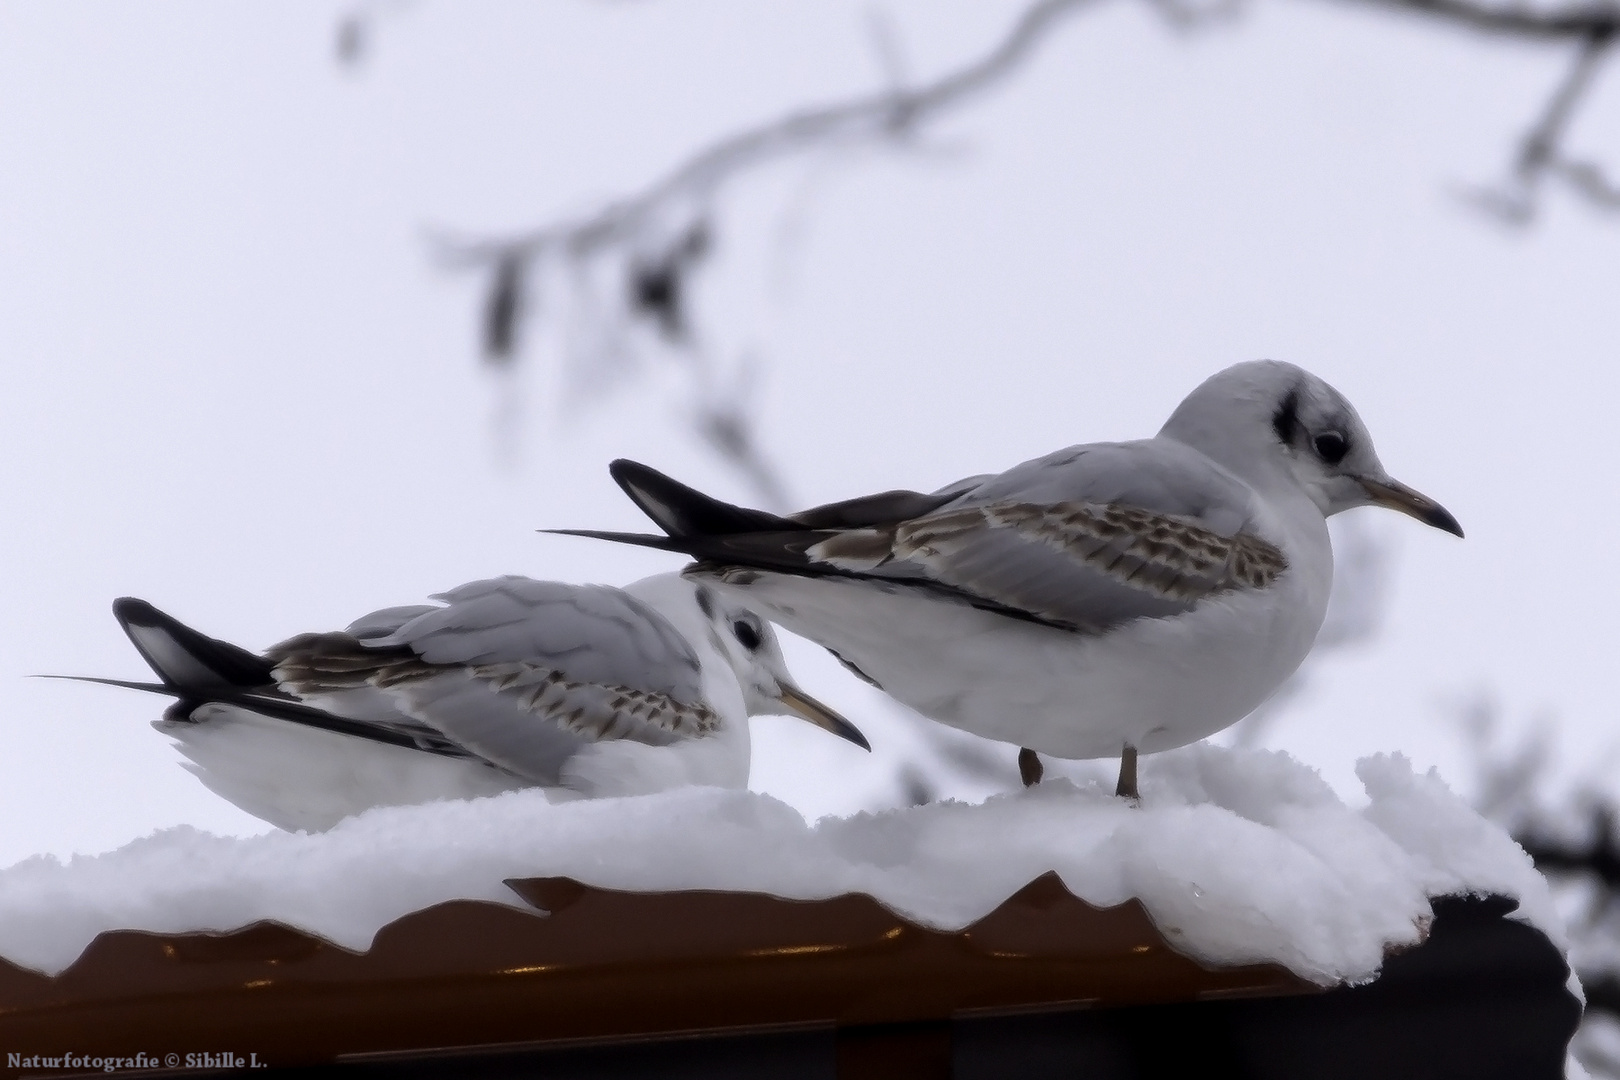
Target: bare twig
{"x":1572,"y":839}
{"x":1597,"y":1044}
{"x":897,"y":109}
{"x":701,"y":177}
{"x":1505,"y":777}
{"x":646,"y":248}
{"x":639,"y":243}
{"x":886,"y":45}
{"x":1598,"y":854}
{"x":1541,"y":152}
{"x":1189,"y":15}
{"x":503,"y":309}
{"x":1577,"y":21}
{"x":1603,"y":992}
{"x":1593,"y":28}
{"x":357,"y":27}
{"x":1590,"y":179}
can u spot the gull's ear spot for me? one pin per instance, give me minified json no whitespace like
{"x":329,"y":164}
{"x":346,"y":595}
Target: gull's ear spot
{"x":705,"y":602}
{"x":1285,"y":421}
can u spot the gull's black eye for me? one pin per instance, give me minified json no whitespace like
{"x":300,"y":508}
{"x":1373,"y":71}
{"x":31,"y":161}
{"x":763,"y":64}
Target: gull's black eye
{"x":747,"y":633}
{"x":1331,"y":446}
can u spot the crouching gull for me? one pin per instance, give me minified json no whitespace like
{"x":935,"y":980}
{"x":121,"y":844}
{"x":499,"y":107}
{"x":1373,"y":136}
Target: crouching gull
{"x":585,"y":690}
{"x":1106,"y":599}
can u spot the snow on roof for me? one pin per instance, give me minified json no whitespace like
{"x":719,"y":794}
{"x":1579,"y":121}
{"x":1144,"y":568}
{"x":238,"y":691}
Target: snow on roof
{"x":1239,"y":856}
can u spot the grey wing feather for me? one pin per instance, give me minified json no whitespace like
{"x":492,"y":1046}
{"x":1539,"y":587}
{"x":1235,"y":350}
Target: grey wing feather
{"x":521,"y":672}
{"x":589,"y":633}
{"x":1085,"y":538}
{"x":387,"y":621}
{"x":964,"y":485}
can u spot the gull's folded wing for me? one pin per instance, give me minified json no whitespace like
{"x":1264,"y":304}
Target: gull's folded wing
{"x":1083,"y":539}
{"x":520,"y":672}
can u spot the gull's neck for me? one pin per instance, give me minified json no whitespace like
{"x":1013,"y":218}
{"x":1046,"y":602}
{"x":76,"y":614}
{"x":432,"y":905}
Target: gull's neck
{"x":675,"y":598}
{"x":1250,"y":452}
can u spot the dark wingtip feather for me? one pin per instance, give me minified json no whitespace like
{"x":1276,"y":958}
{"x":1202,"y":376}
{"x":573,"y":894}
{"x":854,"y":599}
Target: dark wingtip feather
{"x":685,"y":511}
{"x":127,"y":684}
{"x":132,"y":611}
{"x":185,"y":657}
{"x":650,"y":540}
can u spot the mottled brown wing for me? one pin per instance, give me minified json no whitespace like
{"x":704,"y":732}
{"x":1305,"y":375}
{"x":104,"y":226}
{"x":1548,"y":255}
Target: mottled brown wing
{"x":519,"y":672}
{"x":1075,"y":562}
{"x":1086,"y":538}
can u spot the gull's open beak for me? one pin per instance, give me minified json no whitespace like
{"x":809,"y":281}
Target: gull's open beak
{"x":805,"y":707}
{"x":1397,"y":496}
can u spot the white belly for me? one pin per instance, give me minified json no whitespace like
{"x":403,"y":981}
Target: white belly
{"x":1154,"y":683}
{"x":298,"y":777}
{"x":720,"y":759}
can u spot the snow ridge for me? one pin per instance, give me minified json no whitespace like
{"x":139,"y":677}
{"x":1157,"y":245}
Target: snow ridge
{"x":1239,"y":856}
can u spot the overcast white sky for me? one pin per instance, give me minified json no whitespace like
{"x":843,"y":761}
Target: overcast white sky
{"x":236,"y":386}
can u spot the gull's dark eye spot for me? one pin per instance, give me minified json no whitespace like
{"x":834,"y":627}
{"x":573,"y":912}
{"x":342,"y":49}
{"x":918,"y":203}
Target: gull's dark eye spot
{"x":747,"y":633}
{"x":1331,"y":446}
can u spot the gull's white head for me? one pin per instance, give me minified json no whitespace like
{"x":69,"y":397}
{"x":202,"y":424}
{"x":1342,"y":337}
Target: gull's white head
{"x":748,"y":644}
{"x":1266,"y":419}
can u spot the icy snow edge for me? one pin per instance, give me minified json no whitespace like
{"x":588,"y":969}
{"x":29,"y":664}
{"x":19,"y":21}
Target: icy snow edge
{"x":1239,"y":856}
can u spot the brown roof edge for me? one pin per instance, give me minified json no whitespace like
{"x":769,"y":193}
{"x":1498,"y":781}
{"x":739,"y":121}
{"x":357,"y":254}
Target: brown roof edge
{"x":598,"y":964}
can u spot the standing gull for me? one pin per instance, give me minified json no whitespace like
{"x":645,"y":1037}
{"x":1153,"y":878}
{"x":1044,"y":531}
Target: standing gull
{"x":1102,"y":600}
{"x":584,"y":690}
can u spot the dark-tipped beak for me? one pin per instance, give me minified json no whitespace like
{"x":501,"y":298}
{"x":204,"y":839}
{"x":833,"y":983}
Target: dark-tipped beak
{"x":805,"y":707}
{"x":1397,"y":496}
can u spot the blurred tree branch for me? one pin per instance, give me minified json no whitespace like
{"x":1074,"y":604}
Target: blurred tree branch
{"x":1568,"y":22}
{"x":888,"y":114}
{"x":652,"y":241}
{"x":357,"y":27}
{"x":1541,"y":154}
{"x":1591,"y":28}
{"x":631,"y":261}
{"x":1597,"y":854}
{"x":1573,"y":837}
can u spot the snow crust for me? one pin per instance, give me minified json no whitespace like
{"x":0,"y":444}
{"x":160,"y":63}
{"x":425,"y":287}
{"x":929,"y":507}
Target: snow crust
{"x":1239,"y":856}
